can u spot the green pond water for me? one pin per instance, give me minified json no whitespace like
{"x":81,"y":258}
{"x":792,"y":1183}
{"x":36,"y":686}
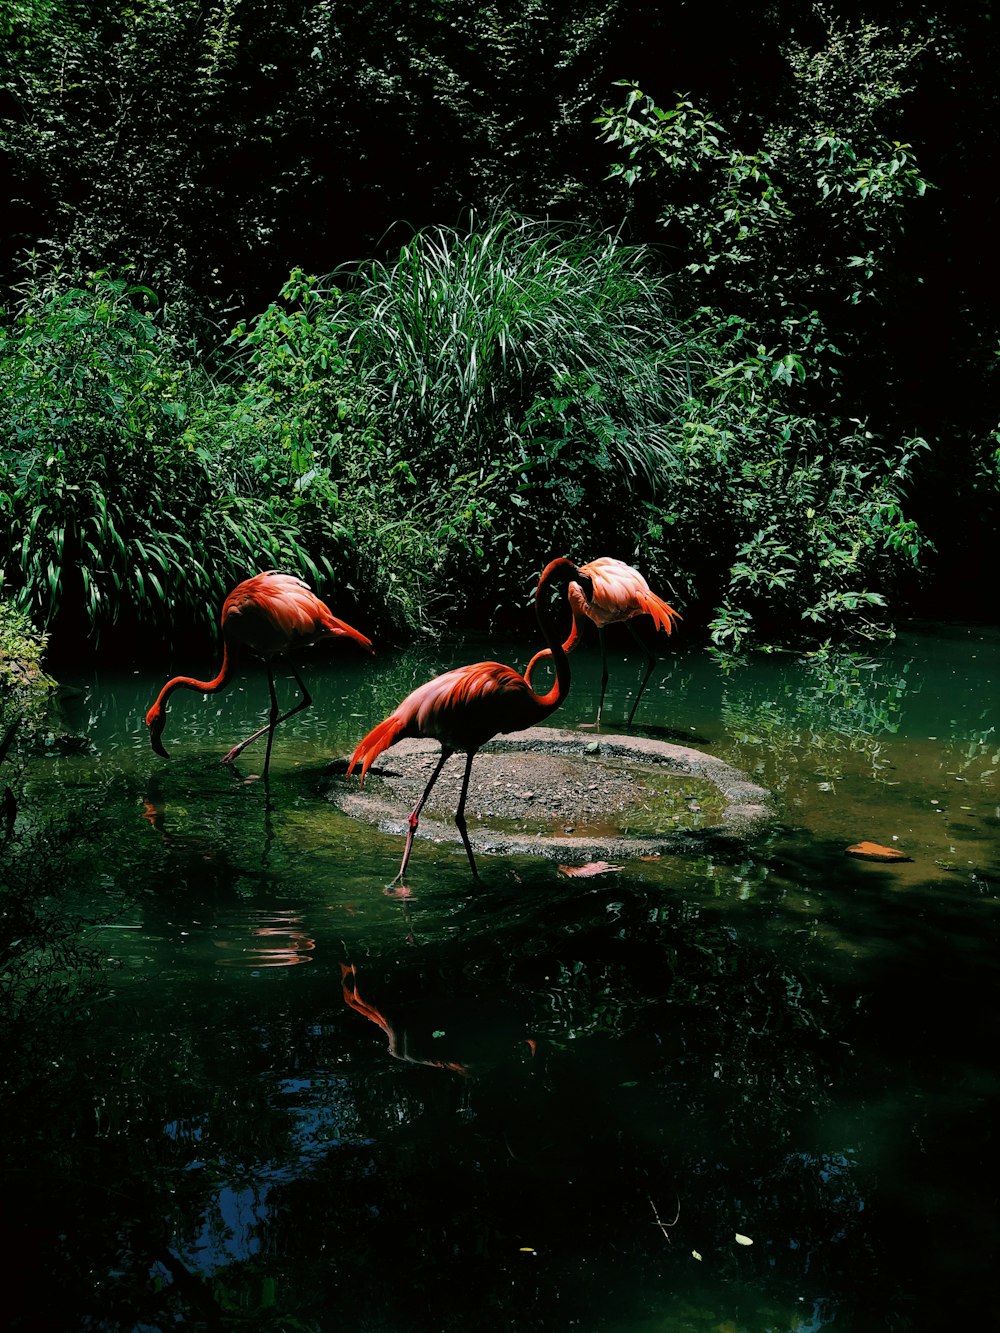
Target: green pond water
{"x":294,"y":1100}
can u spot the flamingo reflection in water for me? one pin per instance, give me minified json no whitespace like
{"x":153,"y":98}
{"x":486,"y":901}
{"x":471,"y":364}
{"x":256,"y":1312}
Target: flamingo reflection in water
{"x":398,"y":1044}
{"x":479,"y":1029}
{"x":284,"y":943}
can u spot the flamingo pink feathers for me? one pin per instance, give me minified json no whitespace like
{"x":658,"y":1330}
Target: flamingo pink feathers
{"x":267,"y":615}
{"x":619,"y":594}
{"x":465,"y":708}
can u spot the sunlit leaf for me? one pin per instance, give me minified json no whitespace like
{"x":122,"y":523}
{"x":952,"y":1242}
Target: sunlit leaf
{"x":873,"y":851}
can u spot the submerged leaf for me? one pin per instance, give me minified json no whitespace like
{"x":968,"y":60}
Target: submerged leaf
{"x":873,"y":851}
{"x":591,"y":868}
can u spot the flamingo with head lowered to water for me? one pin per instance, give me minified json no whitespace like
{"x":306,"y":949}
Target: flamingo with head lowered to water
{"x":267,"y":615}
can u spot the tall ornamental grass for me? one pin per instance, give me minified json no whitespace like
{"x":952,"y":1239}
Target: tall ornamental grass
{"x":529,"y":382}
{"x":468,"y":332}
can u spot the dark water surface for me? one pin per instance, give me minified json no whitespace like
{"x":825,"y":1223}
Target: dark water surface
{"x":300,"y":1102}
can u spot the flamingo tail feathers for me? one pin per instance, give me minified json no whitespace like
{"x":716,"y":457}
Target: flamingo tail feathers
{"x":342,"y":629}
{"x":377,"y":740}
{"x":663,"y":614}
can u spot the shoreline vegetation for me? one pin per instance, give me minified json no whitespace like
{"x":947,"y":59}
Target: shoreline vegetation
{"x":682,"y":328}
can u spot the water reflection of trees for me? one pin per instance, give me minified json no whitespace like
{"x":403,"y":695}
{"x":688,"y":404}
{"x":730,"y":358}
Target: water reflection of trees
{"x":676,"y":1070}
{"x":812,"y":711}
{"x":231,"y":1147}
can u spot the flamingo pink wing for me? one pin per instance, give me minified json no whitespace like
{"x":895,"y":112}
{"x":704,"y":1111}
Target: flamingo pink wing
{"x":271,"y":612}
{"x":620,"y":592}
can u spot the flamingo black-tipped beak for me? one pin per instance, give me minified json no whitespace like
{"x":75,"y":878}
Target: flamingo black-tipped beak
{"x":156,"y":742}
{"x":586,"y":586}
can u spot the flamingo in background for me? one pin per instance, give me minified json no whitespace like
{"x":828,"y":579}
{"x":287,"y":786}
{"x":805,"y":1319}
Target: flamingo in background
{"x":267,"y":615}
{"x":465,"y":708}
{"x":619,"y":593}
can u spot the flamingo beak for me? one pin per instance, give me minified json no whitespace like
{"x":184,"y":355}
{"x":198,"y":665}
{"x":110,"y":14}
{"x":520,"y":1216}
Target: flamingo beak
{"x":586,"y":585}
{"x":155,"y":732}
{"x":346,"y":631}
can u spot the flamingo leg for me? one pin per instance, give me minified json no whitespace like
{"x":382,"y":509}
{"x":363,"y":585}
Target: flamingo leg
{"x":651,"y":663}
{"x":272,"y":720}
{"x":604,"y":672}
{"x":304,"y":702}
{"x":460,"y":813}
{"x":414,"y":818}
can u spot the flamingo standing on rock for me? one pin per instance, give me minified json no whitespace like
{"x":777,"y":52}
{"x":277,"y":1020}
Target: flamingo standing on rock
{"x":619,"y":593}
{"x":465,"y":708}
{"x":267,"y":615}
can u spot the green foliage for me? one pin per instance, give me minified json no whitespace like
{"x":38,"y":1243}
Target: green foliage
{"x":528,"y":382}
{"x":117,"y":499}
{"x":792,"y":527}
{"x":785,"y":229}
{"x":189,"y":138}
{"x":815,"y":198}
{"x":23,"y":682}
{"x":24,"y":695}
{"x":297,"y":402}
{"x":452,"y":412}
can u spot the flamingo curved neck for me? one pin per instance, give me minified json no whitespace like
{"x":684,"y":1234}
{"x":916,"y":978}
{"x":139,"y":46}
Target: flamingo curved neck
{"x":550,"y":633}
{"x":202,"y":686}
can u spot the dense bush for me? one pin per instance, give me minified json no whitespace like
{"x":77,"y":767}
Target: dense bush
{"x":214,"y":145}
{"x":803,"y":501}
{"x":457,"y":413}
{"x":117,"y":498}
{"x":420,"y":433}
{"x":24,"y":694}
{"x":511,"y":390}
{"x":791,"y":528}
{"x":816,"y":196}
{"x":425,"y":437}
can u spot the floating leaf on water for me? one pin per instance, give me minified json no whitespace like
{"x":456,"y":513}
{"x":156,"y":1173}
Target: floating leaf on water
{"x":874,"y":851}
{"x":591,"y":868}
{"x":743,"y":1240}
